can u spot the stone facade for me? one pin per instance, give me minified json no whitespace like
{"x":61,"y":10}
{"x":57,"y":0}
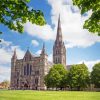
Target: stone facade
{"x":29,"y":72}
{"x":59,"y":50}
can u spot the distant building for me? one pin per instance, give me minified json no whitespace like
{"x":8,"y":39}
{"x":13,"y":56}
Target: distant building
{"x":29,"y":72}
{"x":1,"y":87}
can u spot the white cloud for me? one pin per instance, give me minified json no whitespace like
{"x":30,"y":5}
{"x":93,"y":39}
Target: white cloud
{"x":72,"y":25}
{"x":90,"y":64}
{"x":35,"y":42}
{"x":4,"y":72}
{"x":6,"y":52}
{"x":44,"y":32}
{"x":5,"y":43}
{"x":4,"y":56}
{"x":50,"y":58}
{"x":38,"y":52}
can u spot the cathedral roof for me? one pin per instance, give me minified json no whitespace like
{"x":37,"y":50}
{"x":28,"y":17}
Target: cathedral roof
{"x":28,"y":55}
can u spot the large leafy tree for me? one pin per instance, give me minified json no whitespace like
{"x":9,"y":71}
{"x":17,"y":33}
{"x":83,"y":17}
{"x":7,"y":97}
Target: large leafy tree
{"x":78,"y":76}
{"x":95,"y":75}
{"x":14,"y":13}
{"x":93,"y":23}
{"x":55,"y":77}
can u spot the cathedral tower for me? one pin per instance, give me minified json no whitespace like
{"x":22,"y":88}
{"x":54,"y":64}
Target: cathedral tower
{"x":59,"y":50}
{"x":13,"y":72}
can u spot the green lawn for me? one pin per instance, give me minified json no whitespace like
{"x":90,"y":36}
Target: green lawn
{"x":48,"y":95}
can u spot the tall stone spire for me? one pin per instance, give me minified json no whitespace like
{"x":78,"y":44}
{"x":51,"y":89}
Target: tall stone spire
{"x":14,"y":55}
{"x":43,"y":49}
{"x":59,"y":50}
{"x":43,"y":53}
{"x":59,"y":31}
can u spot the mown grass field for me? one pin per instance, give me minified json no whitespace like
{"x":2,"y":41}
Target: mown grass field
{"x":48,"y":95}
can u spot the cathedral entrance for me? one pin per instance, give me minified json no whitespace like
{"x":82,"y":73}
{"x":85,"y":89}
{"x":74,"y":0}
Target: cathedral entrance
{"x":36,"y":88}
{"x":26,"y":86}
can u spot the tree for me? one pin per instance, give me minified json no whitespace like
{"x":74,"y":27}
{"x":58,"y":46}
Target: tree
{"x":14,"y":13}
{"x":95,"y":75}
{"x":78,"y":76}
{"x":54,"y":78}
{"x":93,"y":23}
{"x":5,"y":84}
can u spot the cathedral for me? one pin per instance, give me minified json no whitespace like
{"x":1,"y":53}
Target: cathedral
{"x":28,"y":73}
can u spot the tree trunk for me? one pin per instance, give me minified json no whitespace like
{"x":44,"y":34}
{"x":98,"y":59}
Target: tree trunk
{"x":78,"y":88}
{"x":70,"y":88}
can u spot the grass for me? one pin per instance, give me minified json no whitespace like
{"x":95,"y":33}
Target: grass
{"x":48,"y":95}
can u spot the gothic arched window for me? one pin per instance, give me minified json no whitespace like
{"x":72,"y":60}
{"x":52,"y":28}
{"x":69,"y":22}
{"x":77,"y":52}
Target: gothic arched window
{"x":56,"y":60}
{"x":30,"y":58}
{"x":30,"y":69}
{"x":27,"y":69}
{"x":56,"y":52}
{"x":25,"y":59}
{"x":36,"y":80}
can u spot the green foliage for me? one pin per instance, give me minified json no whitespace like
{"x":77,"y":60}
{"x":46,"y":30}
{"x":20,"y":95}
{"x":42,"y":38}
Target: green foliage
{"x":78,"y":76}
{"x":95,"y":75}
{"x":93,"y":23}
{"x":55,"y":77}
{"x":14,"y":13}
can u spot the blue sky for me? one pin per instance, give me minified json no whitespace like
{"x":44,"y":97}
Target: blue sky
{"x":81,"y":45}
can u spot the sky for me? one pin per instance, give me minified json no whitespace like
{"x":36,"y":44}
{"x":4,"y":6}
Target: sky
{"x":81,"y":45}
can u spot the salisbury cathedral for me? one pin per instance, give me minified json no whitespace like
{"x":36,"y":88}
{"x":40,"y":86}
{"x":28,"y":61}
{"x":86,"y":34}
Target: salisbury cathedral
{"x":29,"y":72}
